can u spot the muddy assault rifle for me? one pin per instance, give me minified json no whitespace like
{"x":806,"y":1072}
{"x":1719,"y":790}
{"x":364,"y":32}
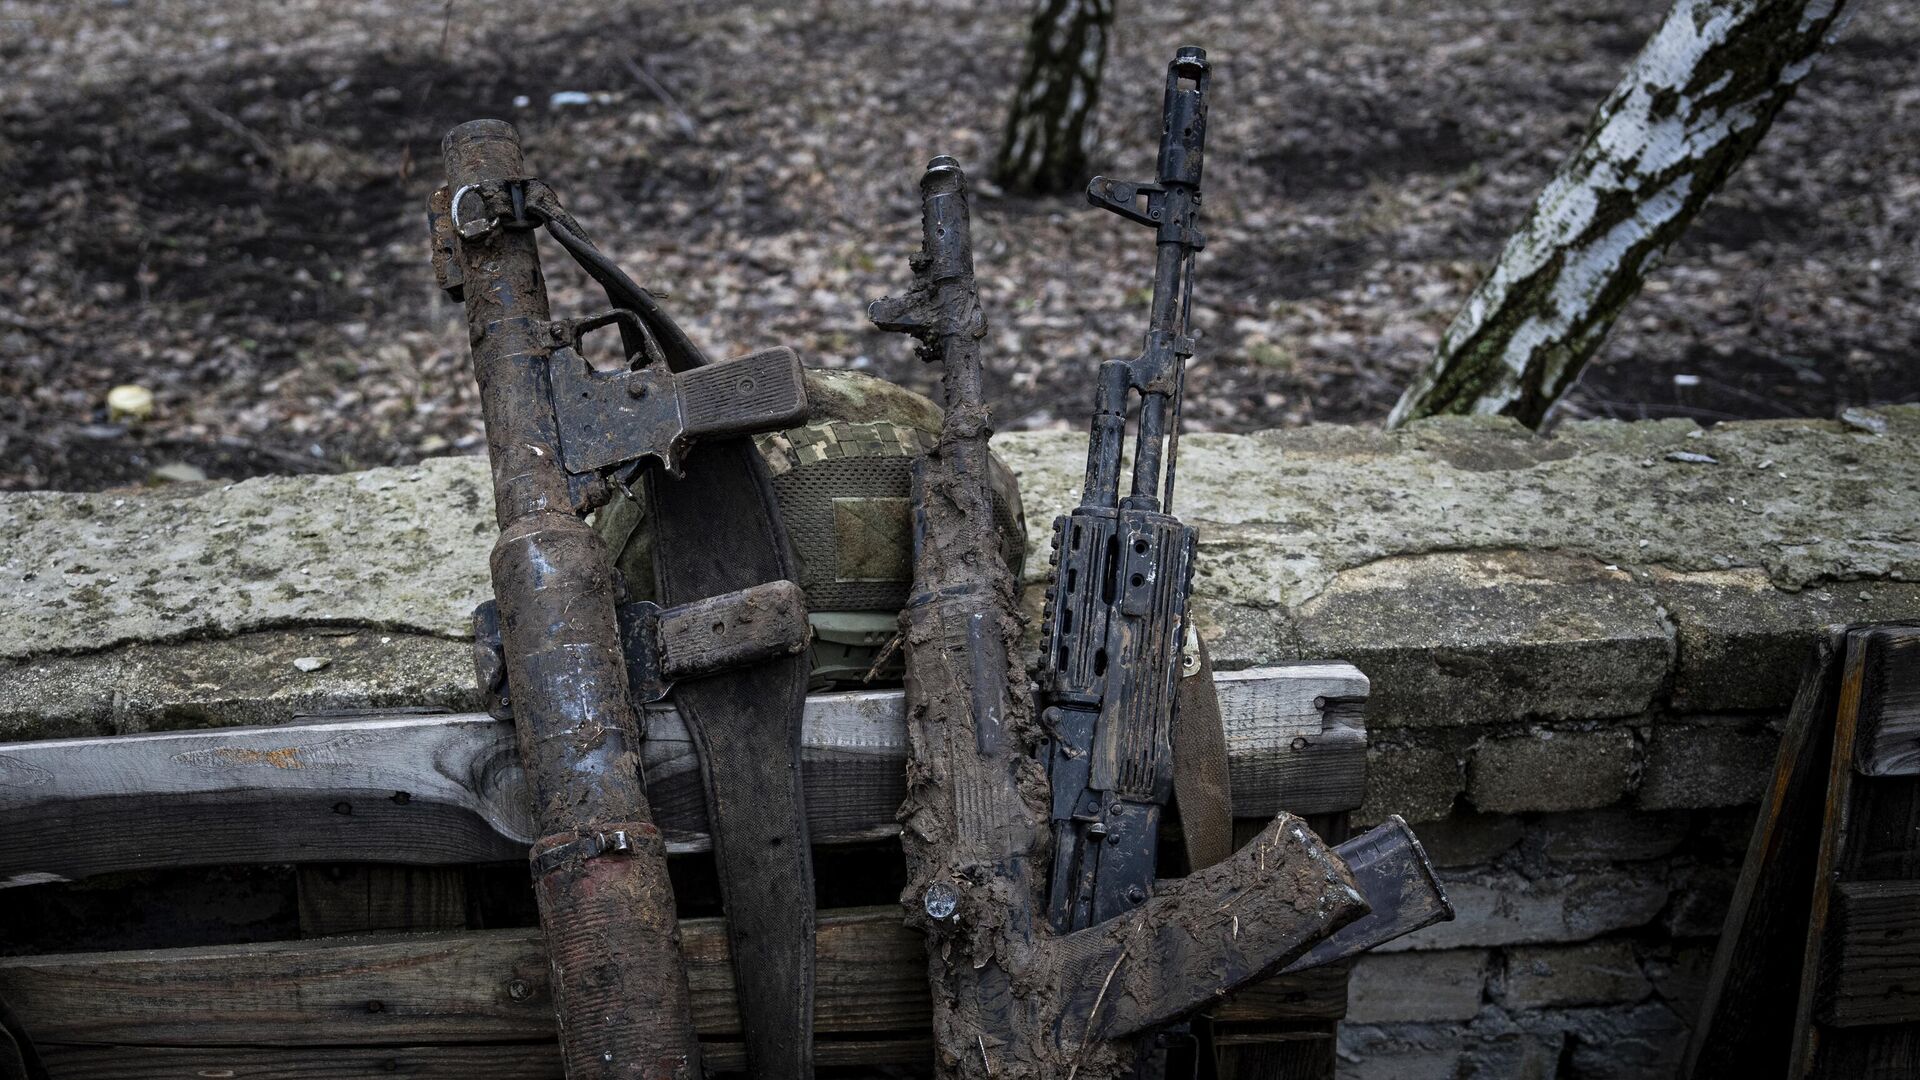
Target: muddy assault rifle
{"x":559,"y":652}
{"x":1118,"y":638}
{"x":1012,"y":996}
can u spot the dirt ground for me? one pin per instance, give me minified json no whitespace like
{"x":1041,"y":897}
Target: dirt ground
{"x":223,"y":203}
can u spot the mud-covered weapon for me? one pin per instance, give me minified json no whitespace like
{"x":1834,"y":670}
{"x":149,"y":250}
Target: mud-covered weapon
{"x":1116,"y":616}
{"x":1011,"y":998}
{"x":559,"y":434}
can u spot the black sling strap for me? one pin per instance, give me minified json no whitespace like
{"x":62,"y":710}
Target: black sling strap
{"x":717,"y":529}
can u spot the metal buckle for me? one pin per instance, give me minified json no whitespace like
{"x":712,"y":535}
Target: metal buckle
{"x":591,"y":846}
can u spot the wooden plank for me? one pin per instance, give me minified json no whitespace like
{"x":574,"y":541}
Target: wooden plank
{"x":485,"y":985}
{"x":1875,"y":960}
{"x":1276,"y":725}
{"x":1872,"y":834}
{"x":1836,"y":806}
{"x":472,"y":1061}
{"x":1889,"y":739}
{"x":410,"y":788}
{"x":354,"y":898}
{"x":469,"y":1061}
{"x":448,"y":789}
{"x":1746,"y":1017}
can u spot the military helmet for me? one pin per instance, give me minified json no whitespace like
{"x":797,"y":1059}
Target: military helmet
{"x":843,"y":485}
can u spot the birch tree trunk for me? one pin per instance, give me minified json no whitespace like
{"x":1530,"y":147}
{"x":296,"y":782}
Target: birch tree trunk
{"x":1050,"y":128}
{"x":1691,"y":107}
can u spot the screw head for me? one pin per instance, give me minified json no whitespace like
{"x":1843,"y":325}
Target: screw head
{"x":941,"y":901}
{"x":519,"y":990}
{"x":1135,"y":894}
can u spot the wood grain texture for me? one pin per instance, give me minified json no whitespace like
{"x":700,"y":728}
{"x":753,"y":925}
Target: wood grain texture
{"x":1876,"y":957}
{"x":1870,"y":837}
{"x":355,"y":898}
{"x":450,"y":1061}
{"x":1889,"y":740}
{"x":449,"y":789}
{"x":456,"y":1061}
{"x":1746,"y":1018}
{"x":479,"y":986}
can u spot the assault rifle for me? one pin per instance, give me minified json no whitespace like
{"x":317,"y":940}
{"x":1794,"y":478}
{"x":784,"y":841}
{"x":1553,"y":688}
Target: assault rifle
{"x":1118,"y":638}
{"x":1116,"y":615}
{"x":1013,"y":999}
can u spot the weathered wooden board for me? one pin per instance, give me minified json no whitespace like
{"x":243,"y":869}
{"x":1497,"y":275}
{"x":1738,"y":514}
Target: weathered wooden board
{"x":1870,"y":837}
{"x":458,"y":1061}
{"x":1889,"y":740}
{"x":448,"y":789}
{"x":481,"y":986}
{"x":1876,"y":958}
{"x":1745,"y":1025}
{"x":358,"y":898}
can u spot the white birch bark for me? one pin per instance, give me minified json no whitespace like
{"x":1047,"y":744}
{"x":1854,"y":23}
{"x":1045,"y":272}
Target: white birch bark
{"x":1050,"y":129}
{"x":1690,"y":108}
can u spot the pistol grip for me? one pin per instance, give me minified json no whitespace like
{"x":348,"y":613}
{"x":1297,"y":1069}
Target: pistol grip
{"x":761,"y":391}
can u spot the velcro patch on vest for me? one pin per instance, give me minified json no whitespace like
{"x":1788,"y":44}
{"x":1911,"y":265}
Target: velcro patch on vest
{"x":873,"y":539}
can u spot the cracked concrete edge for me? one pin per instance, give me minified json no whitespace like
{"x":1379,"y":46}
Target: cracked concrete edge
{"x":404,"y":549}
{"x":249,"y":679}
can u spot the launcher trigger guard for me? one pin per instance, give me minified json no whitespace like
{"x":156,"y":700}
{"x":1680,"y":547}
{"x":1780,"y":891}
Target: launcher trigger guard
{"x":568,"y":333}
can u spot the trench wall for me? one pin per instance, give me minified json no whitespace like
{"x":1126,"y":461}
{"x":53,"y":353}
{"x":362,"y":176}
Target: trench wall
{"x":1580,"y":649}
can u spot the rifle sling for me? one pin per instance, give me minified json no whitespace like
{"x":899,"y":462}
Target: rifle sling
{"x":1200,"y":785}
{"x":717,"y":529}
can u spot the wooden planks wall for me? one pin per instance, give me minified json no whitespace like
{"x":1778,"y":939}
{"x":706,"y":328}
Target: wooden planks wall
{"x":281,"y":1004}
{"x":408,"y":790}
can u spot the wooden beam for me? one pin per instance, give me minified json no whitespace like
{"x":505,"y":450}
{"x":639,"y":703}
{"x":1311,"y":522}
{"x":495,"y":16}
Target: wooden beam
{"x":434,"y":990}
{"x":458,"y":1061}
{"x":1745,"y":1023}
{"x":359,"y":898}
{"x":1875,"y":959}
{"x":1889,"y":718}
{"x":445,"y":789}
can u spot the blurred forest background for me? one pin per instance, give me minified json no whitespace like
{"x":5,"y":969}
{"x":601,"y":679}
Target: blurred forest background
{"x":224,"y":203}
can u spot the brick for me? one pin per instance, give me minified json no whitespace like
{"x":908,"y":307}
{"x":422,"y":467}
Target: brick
{"x":1698,"y":765}
{"x":1597,"y":973}
{"x":1419,"y":783}
{"x":1743,"y":640}
{"x":1390,"y":988}
{"x":1551,"y":770}
{"x":1469,"y":839}
{"x":1410,"y":1064}
{"x":1611,"y":834}
{"x":1679,"y":975}
{"x":1508,"y":908}
{"x":1699,"y":901}
{"x":1625,"y":1044}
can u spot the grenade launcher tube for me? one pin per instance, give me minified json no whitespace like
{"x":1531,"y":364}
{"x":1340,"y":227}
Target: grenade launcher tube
{"x":606,"y":905}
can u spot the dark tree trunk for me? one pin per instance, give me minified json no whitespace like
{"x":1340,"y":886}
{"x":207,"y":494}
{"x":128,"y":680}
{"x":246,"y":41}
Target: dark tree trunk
{"x":1691,"y":107}
{"x":1050,"y":127}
